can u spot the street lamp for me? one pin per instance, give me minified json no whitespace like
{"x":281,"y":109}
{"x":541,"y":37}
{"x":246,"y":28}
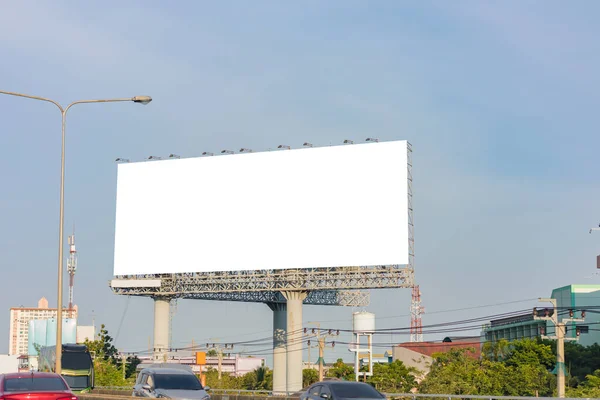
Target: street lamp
{"x":63,"y":111}
{"x":245,"y":150}
{"x":284,"y":146}
{"x":306,"y":144}
{"x":348,"y":141}
{"x":370,"y":139}
{"x":226,"y":152}
{"x":207,"y":153}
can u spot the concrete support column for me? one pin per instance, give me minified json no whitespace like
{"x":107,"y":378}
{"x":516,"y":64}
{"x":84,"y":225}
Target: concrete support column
{"x":161,"y":328}
{"x":294,"y":339}
{"x":279,"y":344}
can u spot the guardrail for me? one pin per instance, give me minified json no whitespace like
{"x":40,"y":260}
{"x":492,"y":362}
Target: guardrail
{"x":225,"y":394}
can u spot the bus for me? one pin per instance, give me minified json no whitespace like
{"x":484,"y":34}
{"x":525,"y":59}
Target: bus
{"x":77,"y":365}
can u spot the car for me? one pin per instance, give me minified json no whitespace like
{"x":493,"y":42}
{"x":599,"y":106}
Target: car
{"x":34,"y":386}
{"x":169,"y":383}
{"x":338,"y":390}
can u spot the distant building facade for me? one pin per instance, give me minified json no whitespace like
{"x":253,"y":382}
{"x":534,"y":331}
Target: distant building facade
{"x":571,"y":297}
{"x":233,"y":365}
{"x":19,"y":324}
{"x":419,"y":355}
{"x":518,"y":327}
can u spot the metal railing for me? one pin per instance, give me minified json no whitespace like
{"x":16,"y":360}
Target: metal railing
{"x":391,"y":396}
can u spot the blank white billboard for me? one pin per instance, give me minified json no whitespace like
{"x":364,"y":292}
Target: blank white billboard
{"x":306,"y":208}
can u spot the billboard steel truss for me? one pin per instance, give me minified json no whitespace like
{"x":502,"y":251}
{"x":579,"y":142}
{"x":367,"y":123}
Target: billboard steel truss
{"x":325,"y":286}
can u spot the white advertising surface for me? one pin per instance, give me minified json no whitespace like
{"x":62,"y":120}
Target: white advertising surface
{"x":306,"y":208}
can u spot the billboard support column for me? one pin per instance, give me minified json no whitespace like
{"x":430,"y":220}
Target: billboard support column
{"x":294,"y":339}
{"x":279,"y":354}
{"x":162,"y":322}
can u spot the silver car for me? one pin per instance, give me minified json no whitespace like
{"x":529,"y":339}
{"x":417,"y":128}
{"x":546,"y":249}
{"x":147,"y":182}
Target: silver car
{"x":169,"y":383}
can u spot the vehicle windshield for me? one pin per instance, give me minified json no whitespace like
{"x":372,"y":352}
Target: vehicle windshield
{"x":76,"y":361}
{"x":177,"y":382}
{"x":34,"y":384}
{"x":354,"y":391}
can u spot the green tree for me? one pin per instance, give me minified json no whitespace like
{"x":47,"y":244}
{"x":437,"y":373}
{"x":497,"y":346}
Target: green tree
{"x":103,"y":346}
{"x":107,"y":374}
{"x":519,"y":368}
{"x":212,"y":353}
{"x":456,"y":372}
{"x":590,"y":387}
{"x":309,"y":376}
{"x":341,"y":370}
{"x":259,"y":379}
{"x":227,"y":381}
{"x":394,"y":377}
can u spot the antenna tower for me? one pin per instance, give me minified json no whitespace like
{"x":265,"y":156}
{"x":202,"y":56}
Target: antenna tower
{"x":71,"y":268}
{"x":416,"y":310}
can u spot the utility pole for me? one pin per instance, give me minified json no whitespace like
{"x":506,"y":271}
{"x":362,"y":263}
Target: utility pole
{"x":560,"y":330}
{"x":219,"y":350}
{"x":321,"y":355}
{"x":124,"y":361}
{"x":320,"y":336}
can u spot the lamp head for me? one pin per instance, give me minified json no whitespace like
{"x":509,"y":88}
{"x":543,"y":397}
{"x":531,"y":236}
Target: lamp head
{"x":142,"y":99}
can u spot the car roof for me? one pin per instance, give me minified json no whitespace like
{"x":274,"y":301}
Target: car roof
{"x":21,"y":375}
{"x":169,"y":371}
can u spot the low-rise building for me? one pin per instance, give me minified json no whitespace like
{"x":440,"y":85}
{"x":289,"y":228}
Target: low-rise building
{"x":233,"y":365}
{"x":575,"y":298}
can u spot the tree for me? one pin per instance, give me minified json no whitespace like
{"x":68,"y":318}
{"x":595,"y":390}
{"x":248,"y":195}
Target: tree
{"x":107,"y":374}
{"x":212,"y":353}
{"x":455,"y":372}
{"x":590,"y":387}
{"x":107,"y":363}
{"x":227,"y":381}
{"x":519,"y":368}
{"x":394,"y":377}
{"x":102,"y":346}
{"x":309,"y":376}
{"x":341,"y":370}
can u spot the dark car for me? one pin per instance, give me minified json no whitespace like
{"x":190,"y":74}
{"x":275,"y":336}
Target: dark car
{"x":338,"y":390}
{"x":34,"y":386}
{"x":176,"y":382}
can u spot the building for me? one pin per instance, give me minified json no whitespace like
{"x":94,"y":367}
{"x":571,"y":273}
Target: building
{"x":419,"y":355}
{"x":578,"y":298}
{"x":233,"y":365}
{"x":522,"y":326}
{"x":19,"y":324}
{"x":572,"y":297}
{"x":87,"y":332}
{"x":9,"y":364}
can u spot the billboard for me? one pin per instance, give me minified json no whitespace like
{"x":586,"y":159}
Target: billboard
{"x":42,"y":332}
{"x":305,"y":208}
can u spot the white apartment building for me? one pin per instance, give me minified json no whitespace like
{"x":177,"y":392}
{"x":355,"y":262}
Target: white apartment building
{"x":19,"y":324}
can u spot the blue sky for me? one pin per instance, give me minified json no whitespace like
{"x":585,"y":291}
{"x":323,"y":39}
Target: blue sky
{"x":499,"y":99}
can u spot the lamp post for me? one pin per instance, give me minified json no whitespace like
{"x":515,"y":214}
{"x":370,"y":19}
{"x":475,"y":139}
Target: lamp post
{"x":63,"y":110}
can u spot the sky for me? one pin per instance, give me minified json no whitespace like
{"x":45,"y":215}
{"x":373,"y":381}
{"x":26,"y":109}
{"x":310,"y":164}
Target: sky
{"x":499,"y":100}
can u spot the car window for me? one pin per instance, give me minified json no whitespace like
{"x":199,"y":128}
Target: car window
{"x":149,"y":380}
{"x":314,"y":391}
{"x":325,"y":390}
{"x":352,"y":390}
{"x":34,"y":385}
{"x":177,"y":382}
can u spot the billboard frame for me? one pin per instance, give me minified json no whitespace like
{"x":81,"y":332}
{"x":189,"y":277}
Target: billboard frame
{"x":245,"y":285}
